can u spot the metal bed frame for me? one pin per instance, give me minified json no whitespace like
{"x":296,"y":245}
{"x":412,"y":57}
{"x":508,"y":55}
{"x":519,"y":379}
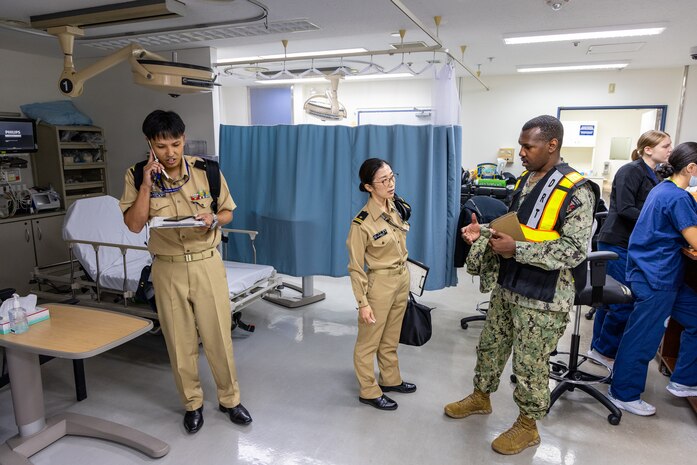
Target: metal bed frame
{"x":91,"y":293}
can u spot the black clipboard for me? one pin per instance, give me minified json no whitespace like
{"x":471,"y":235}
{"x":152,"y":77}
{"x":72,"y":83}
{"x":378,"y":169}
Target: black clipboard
{"x":418,"y":272}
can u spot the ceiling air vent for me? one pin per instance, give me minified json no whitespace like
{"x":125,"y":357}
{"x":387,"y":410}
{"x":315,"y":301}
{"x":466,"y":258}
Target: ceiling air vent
{"x":411,"y":45}
{"x":200,"y":33}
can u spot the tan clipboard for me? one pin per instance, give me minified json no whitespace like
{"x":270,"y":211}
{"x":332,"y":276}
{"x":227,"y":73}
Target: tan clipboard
{"x":509,"y":224}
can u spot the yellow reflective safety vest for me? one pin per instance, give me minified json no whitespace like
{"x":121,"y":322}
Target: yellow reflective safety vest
{"x":541,"y":217}
{"x":544,"y":209}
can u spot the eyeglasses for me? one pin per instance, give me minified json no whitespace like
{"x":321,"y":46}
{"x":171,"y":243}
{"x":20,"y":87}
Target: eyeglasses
{"x":388,"y":181}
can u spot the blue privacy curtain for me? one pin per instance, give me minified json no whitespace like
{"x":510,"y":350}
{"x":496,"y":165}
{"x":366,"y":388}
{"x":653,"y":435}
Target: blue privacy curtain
{"x":298,"y":186}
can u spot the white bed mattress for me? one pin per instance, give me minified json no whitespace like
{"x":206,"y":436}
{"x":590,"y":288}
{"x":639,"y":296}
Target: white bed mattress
{"x":242,"y":276}
{"x":99,"y":219}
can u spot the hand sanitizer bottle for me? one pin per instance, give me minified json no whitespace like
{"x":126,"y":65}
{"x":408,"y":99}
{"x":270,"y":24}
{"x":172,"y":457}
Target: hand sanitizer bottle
{"x":18,"y":318}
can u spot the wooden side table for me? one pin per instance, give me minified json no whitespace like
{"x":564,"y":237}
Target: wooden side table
{"x":72,"y":332}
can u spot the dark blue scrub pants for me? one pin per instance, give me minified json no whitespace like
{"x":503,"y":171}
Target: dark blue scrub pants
{"x":611,"y":320}
{"x":643,"y":334}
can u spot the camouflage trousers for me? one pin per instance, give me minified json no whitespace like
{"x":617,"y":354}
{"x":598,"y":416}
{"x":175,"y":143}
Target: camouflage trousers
{"x":531,"y":334}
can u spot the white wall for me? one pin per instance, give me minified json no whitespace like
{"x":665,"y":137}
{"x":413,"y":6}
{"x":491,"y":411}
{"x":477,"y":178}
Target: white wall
{"x":27,"y":78}
{"x":234,"y":106}
{"x":492,"y":119}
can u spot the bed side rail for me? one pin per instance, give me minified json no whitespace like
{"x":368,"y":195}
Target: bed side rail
{"x":124,"y":248}
{"x":252,"y":238}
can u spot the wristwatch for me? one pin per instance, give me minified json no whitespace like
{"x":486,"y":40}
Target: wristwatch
{"x":214,"y":224}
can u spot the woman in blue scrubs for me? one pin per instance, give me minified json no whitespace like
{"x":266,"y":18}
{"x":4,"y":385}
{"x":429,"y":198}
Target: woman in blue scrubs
{"x":655,"y":271}
{"x":630,"y":187}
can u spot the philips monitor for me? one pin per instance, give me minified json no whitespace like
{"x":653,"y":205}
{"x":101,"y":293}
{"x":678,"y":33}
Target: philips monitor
{"x":17,"y":135}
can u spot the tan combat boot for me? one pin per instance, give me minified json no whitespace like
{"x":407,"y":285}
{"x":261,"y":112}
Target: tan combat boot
{"x":520,"y":436}
{"x":476,"y":403}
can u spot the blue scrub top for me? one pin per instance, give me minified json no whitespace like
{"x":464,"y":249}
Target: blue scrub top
{"x":654,"y":255}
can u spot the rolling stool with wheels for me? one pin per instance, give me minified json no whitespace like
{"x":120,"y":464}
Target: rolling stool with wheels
{"x":602,"y":289}
{"x":464,"y":322}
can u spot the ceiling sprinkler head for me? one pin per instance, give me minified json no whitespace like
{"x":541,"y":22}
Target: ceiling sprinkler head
{"x":556,"y":4}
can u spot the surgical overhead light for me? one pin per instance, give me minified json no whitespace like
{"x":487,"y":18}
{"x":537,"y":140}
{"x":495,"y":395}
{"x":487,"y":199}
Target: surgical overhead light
{"x":326,"y":107}
{"x":149,"y":69}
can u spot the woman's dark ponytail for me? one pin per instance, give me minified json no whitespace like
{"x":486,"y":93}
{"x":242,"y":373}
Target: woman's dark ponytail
{"x":664,"y":170}
{"x":683,"y":155}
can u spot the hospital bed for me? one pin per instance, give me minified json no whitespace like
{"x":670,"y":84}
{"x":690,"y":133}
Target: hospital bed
{"x":106,"y":261}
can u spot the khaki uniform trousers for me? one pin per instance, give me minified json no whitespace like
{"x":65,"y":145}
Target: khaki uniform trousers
{"x":388,"y":291}
{"x":193,"y":300}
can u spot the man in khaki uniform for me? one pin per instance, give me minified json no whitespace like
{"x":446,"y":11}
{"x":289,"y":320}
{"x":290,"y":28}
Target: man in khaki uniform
{"x":377,"y":238}
{"x":188,"y":273}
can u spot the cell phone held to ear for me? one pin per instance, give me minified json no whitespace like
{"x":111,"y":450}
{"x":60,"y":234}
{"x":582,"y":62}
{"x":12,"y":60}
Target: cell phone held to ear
{"x":163,"y":172}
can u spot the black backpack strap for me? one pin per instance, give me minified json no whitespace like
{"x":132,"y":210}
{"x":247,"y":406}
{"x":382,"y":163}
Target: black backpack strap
{"x":213,"y":174}
{"x":137,"y":171}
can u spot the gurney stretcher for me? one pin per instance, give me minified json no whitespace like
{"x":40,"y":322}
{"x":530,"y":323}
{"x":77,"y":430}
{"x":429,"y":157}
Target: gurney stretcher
{"x":106,"y":262}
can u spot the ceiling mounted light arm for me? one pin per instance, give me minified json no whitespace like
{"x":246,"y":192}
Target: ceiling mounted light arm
{"x":148,"y":68}
{"x":327,"y":107}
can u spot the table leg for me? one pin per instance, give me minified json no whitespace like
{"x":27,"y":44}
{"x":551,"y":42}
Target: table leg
{"x":37,"y":433}
{"x":74,"y":424}
{"x":27,"y":391}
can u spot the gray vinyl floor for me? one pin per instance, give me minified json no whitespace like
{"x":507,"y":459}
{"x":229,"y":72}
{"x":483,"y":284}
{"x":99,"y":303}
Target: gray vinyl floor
{"x":296,"y":377}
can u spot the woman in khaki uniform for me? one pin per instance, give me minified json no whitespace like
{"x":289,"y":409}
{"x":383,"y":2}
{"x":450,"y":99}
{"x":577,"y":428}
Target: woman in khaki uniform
{"x":377,"y":240}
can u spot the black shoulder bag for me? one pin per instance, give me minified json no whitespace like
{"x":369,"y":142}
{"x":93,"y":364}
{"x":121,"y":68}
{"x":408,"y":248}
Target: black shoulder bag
{"x":416,"y":325}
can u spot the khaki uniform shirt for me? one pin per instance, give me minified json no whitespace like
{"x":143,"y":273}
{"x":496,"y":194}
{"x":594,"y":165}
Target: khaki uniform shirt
{"x":193,"y":198}
{"x":562,"y":254}
{"x":378,"y":240}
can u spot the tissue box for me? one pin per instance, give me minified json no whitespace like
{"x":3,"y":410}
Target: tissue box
{"x":39,"y":314}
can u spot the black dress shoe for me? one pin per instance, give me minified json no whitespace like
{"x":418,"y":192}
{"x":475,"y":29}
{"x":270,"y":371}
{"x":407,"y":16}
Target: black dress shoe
{"x":193,"y":420}
{"x":238,"y":415}
{"x":381,"y":403}
{"x":404,"y":388}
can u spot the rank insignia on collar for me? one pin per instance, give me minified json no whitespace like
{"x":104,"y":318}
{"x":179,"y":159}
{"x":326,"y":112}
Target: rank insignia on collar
{"x":360,"y":217}
{"x":380,"y":234}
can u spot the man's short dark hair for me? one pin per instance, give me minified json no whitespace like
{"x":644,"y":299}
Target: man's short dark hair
{"x":550,"y":127}
{"x":163,"y":124}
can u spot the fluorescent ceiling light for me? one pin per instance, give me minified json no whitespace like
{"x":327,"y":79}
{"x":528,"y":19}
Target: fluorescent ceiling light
{"x":367,"y":77}
{"x":571,"y":35}
{"x":570,"y":67}
{"x":291,"y":55}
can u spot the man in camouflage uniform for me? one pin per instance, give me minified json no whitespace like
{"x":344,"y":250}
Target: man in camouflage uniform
{"x":528,"y":326}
